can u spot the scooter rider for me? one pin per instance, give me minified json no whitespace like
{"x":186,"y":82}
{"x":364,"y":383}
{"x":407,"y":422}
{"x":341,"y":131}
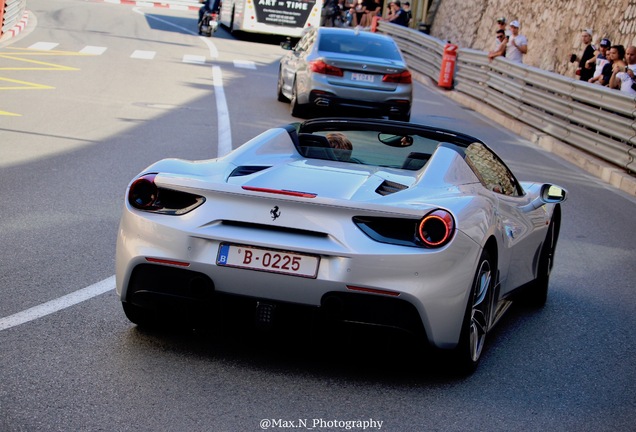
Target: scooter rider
{"x":208,"y":5}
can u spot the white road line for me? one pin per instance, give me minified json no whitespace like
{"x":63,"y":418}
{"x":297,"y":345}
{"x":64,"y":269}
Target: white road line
{"x":93,"y":50}
{"x":43,"y":46}
{"x":143,"y":55}
{"x":224,"y":145}
{"x":57,"y":304}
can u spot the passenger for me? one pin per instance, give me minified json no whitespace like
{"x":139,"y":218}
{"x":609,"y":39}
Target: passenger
{"x":341,"y":145}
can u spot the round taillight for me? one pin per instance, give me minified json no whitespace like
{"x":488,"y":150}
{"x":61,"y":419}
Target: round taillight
{"x":143,"y":192}
{"x":436,"y":228}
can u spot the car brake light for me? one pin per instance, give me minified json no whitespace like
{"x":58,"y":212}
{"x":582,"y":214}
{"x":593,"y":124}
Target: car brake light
{"x":400,"y":78}
{"x":319,"y":66}
{"x":436,"y":228}
{"x":280,"y":192}
{"x":144,"y":194}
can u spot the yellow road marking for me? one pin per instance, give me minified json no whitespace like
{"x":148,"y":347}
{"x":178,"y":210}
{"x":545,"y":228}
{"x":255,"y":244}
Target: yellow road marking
{"x":25,"y":85}
{"x":9,"y":114}
{"x":18,"y":55}
{"x":47,"y":66}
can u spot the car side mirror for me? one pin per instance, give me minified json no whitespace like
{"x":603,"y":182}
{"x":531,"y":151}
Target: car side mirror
{"x":550,"y":194}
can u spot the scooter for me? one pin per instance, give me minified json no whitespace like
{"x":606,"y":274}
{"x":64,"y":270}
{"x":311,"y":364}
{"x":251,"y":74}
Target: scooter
{"x":209,"y":23}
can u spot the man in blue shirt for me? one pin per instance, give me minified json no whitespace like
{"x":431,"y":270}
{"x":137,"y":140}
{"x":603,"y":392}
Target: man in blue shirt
{"x":397,"y":14}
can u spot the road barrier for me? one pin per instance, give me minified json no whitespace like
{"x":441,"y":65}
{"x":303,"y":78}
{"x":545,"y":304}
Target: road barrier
{"x":11,"y":12}
{"x":592,"y":118}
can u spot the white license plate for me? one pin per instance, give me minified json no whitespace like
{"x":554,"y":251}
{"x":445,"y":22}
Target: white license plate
{"x":362,"y":77}
{"x":268,"y":260}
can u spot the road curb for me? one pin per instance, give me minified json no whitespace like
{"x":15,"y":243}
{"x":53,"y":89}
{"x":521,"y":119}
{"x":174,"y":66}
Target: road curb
{"x":616,"y":177}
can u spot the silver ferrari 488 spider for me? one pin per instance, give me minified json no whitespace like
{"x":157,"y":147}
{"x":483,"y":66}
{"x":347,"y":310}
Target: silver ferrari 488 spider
{"x":355,"y":220}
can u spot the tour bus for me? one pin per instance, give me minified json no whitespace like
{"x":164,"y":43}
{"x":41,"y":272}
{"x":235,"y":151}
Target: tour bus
{"x":276,"y":17}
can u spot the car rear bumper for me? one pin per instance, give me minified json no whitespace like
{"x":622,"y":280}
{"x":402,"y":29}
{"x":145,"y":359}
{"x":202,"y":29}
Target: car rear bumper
{"x":184,"y":294}
{"x":390,"y":107}
{"x":160,"y":265}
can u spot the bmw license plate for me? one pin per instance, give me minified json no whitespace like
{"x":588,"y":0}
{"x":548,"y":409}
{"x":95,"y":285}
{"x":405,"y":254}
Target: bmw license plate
{"x":268,"y":260}
{"x":355,"y":76}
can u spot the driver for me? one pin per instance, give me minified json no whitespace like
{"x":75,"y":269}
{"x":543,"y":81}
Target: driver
{"x":341,"y":145}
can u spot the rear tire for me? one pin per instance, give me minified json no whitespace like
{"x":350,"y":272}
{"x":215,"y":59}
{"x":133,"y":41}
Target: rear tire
{"x":281,"y":96}
{"x":296,"y":109}
{"x":536,"y":294}
{"x":477,"y":318}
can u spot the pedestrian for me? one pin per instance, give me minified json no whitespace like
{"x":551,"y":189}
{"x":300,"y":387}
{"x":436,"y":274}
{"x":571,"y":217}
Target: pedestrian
{"x":358,"y":13}
{"x":517,"y":45}
{"x":328,"y":13}
{"x":585,"y":72}
{"x":616,"y":57}
{"x":397,"y":14}
{"x":499,"y":45}
{"x":600,"y":60}
{"x":501,"y":25}
{"x":372,"y":9}
{"x":407,"y":8}
{"x":623,"y":77}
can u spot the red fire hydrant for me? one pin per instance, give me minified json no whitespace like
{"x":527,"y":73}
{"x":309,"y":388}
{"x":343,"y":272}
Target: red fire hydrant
{"x":447,"y":71}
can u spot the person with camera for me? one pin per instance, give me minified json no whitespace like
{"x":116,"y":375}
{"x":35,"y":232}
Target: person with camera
{"x":623,"y":76}
{"x":517,"y":45}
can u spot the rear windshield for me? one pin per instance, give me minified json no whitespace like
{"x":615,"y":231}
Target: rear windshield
{"x":360,"y":46}
{"x":410,"y":152}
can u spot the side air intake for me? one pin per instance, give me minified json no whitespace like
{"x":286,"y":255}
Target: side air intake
{"x":389,"y":187}
{"x":247,"y":170}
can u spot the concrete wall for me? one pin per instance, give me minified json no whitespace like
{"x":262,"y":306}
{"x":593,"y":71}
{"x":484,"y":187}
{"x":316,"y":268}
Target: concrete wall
{"x":553,"y":28}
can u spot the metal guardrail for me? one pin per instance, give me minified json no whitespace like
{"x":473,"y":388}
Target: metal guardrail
{"x":13,"y":11}
{"x":595,"y":119}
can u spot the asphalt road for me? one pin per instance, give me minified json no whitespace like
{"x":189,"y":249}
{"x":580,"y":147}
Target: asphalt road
{"x":105,"y":90}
